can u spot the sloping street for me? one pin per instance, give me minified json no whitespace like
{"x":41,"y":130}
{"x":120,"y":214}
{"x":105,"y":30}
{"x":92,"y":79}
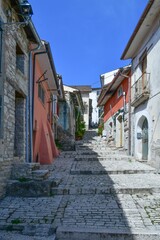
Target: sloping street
{"x":100,"y":193}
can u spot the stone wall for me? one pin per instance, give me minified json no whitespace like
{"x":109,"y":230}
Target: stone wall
{"x":66,"y":140}
{"x":19,"y":145}
{"x":5,"y":172}
{"x":14,"y":82}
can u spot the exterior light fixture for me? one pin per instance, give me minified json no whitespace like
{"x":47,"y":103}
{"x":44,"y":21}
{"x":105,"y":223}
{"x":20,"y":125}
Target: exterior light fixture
{"x":26,"y":9}
{"x":25,"y":12}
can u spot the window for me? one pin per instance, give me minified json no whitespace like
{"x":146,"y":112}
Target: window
{"x":120,"y":91}
{"x":143,"y":62}
{"x":41,"y":93}
{"x":19,"y":59}
{"x":54,"y":104}
{"x":98,"y":93}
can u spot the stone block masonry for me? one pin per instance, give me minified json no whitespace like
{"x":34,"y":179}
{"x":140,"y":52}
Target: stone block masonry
{"x":14,"y":90}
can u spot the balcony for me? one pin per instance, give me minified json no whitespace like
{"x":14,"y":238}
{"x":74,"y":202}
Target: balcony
{"x":140,"y":90}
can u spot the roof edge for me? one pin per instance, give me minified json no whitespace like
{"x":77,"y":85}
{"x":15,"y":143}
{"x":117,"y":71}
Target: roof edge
{"x":144,"y":14}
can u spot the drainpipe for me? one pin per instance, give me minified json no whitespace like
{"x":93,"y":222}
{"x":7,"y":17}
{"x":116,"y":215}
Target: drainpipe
{"x":124,"y":101}
{"x":29,"y":125}
{"x":33,"y":83}
{"x":129,"y":115}
{"x":129,"y":112}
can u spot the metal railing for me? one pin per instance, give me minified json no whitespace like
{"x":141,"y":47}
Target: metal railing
{"x":140,"y":89}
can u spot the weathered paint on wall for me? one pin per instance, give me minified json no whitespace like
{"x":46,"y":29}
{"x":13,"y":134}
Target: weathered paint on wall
{"x":150,"y":108}
{"x":115,"y":103}
{"x":116,"y":117}
{"x":43,"y":137}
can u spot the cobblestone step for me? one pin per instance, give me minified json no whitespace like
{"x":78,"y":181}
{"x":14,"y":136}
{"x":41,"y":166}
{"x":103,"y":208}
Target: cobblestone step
{"x":99,"y":191}
{"x":107,"y":167}
{"x":97,"y":153}
{"x":103,"y":184}
{"x":23,"y":230}
{"x":103,"y":158}
{"x":31,"y":188}
{"x":66,"y":233}
{"x":40,"y":174}
{"x":108,"y":172}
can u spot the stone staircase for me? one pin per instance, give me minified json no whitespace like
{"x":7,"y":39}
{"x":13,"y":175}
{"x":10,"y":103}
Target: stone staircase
{"x":102,"y":178}
{"x":5,"y":171}
{"x":96,"y":192}
{"x":30,"y":180}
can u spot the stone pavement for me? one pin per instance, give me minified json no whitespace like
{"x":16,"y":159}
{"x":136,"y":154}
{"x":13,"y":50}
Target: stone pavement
{"x":101,"y":194}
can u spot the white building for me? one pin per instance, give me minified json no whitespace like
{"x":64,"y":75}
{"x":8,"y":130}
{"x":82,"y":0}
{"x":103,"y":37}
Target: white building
{"x":108,"y":77}
{"x":95,"y":110}
{"x":85,"y":91}
{"x":144,"y":50}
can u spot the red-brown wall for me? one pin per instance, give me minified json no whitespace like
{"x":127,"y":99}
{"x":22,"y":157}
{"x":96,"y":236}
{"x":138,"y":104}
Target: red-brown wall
{"x":115,"y":102}
{"x":44,"y":148}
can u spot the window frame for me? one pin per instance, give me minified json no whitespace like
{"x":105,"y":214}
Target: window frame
{"x":120,"y":91}
{"x":41,"y":93}
{"x":20,"y":59}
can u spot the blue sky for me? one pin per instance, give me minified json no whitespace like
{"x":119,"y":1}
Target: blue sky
{"x":87,"y":37}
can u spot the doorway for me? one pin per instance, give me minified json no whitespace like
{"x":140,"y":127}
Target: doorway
{"x":145,"y":139}
{"x":19,"y":135}
{"x":119,"y":131}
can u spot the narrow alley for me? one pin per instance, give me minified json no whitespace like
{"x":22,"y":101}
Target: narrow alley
{"x":97,"y":192}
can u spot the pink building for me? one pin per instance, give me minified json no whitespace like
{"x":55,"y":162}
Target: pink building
{"x":46,"y":91}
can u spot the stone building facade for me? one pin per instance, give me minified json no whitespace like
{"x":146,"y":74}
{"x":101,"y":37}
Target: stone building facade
{"x":14,"y":78}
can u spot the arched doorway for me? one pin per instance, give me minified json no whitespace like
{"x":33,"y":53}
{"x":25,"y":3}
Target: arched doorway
{"x":119,"y":131}
{"x":145,"y":139}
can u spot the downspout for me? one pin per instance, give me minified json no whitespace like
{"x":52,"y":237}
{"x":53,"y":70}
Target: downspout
{"x":29,"y":125}
{"x":33,"y":76}
{"x":129,"y":111}
{"x":32,"y":90}
{"x":124,"y":101}
{"x":129,"y":116}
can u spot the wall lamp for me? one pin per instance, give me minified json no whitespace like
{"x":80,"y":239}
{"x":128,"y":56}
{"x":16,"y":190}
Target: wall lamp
{"x":26,"y":9}
{"x":25,"y":12}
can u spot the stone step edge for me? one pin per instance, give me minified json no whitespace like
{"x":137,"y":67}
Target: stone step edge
{"x":109,"y":172}
{"x":99,"y":191}
{"x":74,"y":233}
{"x":27,"y":229}
{"x":104,"y":158}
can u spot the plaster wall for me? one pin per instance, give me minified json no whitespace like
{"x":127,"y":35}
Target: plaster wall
{"x":85,"y":98}
{"x":151,"y":108}
{"x":44,"y":148}
{"x":95,"y":110}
